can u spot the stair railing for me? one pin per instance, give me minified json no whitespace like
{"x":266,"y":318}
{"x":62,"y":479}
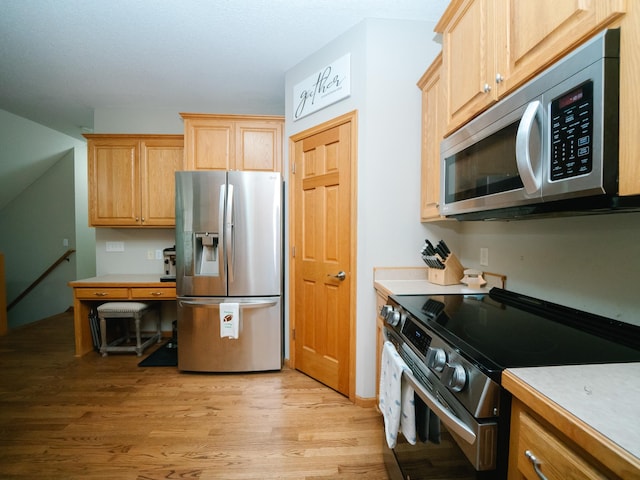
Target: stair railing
{"x":35,"y":283}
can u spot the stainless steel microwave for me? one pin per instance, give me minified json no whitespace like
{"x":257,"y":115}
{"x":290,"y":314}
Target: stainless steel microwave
{"x":550,"y":146}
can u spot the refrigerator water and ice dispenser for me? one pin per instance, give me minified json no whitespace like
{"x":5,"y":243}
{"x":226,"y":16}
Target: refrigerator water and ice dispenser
{"x":206,"y":254}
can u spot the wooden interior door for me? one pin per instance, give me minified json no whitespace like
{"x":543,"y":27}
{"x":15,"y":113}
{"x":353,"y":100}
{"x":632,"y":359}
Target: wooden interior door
{"x":323,"y":322}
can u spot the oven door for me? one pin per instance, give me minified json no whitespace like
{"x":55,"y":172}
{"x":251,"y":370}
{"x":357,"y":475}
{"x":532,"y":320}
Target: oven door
{"x":429,"y":460}
{"x":454,"y":444}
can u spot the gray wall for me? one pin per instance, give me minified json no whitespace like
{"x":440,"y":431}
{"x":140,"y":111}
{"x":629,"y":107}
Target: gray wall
{"x":34,"y":225}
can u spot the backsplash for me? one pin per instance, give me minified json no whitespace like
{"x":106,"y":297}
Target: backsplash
{"x":590,"y":262}
{"x":139,"y":250}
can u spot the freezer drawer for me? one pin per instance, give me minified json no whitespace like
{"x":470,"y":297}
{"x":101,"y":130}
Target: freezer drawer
{"x":257,"y":348}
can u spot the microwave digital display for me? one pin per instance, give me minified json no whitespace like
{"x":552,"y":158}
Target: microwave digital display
{"x":572,"y":134}
{"x":571,"y":98}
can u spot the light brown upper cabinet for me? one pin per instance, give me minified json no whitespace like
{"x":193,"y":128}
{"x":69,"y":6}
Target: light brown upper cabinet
{"x":433,"y":120}
{"x":491,"y":47}
{"x":131,"y":179}
{"x":233,"y":142}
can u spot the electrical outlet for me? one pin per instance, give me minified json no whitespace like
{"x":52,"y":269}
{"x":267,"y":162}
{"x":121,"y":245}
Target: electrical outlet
{"x":484,"y":257}
{"x":149,"y":254}
{"x":158,"y":254}
{"x":115,"y":247}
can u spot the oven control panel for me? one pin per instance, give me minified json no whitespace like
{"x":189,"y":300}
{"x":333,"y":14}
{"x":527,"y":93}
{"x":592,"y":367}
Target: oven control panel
{"x":417,"y":337}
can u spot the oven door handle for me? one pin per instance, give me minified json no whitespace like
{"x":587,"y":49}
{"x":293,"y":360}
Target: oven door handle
{"x":453,"y":423}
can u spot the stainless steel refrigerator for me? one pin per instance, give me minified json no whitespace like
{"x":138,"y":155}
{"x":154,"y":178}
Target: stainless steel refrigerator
{"x":229,"y":253}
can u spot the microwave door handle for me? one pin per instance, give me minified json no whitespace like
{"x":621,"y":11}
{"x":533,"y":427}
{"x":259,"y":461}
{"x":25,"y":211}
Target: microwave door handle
{"x":523,"y":140}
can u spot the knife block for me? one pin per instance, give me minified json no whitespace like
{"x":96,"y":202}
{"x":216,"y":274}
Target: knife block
{"x":452,"y":273}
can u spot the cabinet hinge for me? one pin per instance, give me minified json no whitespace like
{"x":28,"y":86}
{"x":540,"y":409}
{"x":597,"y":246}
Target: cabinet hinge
{"x":293,"y":168}
{"x":293,"y":334}
{"x":293,"y":251}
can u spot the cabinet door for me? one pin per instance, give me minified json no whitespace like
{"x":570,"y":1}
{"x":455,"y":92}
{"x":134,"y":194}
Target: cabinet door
{"x":432,"y":130}
{"x":558,"y":28}
{"x":209,"y":144}
{"x":258,"y":146}
{"x":160,"y":159}
{"x":470,"y":60}
{"x":114,"y":178}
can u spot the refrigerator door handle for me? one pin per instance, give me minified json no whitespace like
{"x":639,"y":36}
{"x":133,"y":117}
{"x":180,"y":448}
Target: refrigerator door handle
{"x":229,"y":232}
{"x":246,"y":303}
{"x":221,"y":206}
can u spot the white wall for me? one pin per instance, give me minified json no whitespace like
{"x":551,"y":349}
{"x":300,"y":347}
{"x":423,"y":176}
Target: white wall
{"x":152,"y":120}
{"x":138,"y":243}
{"x":591,"y":263}
{"x":387,"y":59}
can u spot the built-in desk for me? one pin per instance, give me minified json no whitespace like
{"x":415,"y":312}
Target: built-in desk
{"x":90,"y":292}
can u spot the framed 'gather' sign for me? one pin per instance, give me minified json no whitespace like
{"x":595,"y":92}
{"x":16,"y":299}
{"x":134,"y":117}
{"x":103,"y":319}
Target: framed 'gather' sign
{"x":327,"y":86}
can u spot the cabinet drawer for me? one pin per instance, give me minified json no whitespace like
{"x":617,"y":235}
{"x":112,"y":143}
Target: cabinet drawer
{"x":101,"y":293}
{"x":153,"y":292}
{"x":557,"y":460}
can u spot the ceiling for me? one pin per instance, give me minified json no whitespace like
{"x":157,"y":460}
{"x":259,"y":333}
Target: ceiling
{"x":60,"y":60}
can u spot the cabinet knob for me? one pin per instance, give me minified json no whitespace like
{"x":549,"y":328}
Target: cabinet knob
{"x":486,"y":88}
{"x":499,"y":78}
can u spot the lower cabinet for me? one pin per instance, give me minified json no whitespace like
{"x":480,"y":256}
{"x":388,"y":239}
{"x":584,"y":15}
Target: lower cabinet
{"x":381,"y":300}
{"x":548,"y":441}
{"x":537,"y":448}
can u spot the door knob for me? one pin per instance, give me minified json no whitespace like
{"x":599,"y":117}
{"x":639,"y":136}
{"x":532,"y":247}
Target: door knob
{"x":340,"y":275}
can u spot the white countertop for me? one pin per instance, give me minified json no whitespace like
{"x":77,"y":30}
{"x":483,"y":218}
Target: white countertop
{"x":606,"y":397}
{"x":420,"y":287}
{"x":123,"y":278}
{"x":413,"y":281}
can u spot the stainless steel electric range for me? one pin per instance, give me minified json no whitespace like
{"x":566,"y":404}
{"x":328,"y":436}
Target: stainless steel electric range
{"x":457,"y":346}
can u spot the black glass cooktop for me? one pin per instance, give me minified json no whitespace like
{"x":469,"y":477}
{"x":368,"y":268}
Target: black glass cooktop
{"x":504,"y":329}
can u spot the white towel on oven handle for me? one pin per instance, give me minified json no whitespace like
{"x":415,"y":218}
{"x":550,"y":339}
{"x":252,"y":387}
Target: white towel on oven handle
{"x":396,"y":397}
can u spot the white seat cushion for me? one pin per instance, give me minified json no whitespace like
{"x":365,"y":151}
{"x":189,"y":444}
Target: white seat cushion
{"x":122,"y":307}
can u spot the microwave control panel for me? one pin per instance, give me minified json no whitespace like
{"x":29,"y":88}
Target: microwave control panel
{"x":572,"y":133}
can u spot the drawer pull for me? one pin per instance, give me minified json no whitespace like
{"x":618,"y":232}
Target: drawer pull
{"x":101,"y":294}
{"x":156,"y":294}
{"x":536,"y":464}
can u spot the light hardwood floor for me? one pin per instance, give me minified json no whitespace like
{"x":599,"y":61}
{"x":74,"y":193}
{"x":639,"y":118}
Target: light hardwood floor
{"x":63,"y":417}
